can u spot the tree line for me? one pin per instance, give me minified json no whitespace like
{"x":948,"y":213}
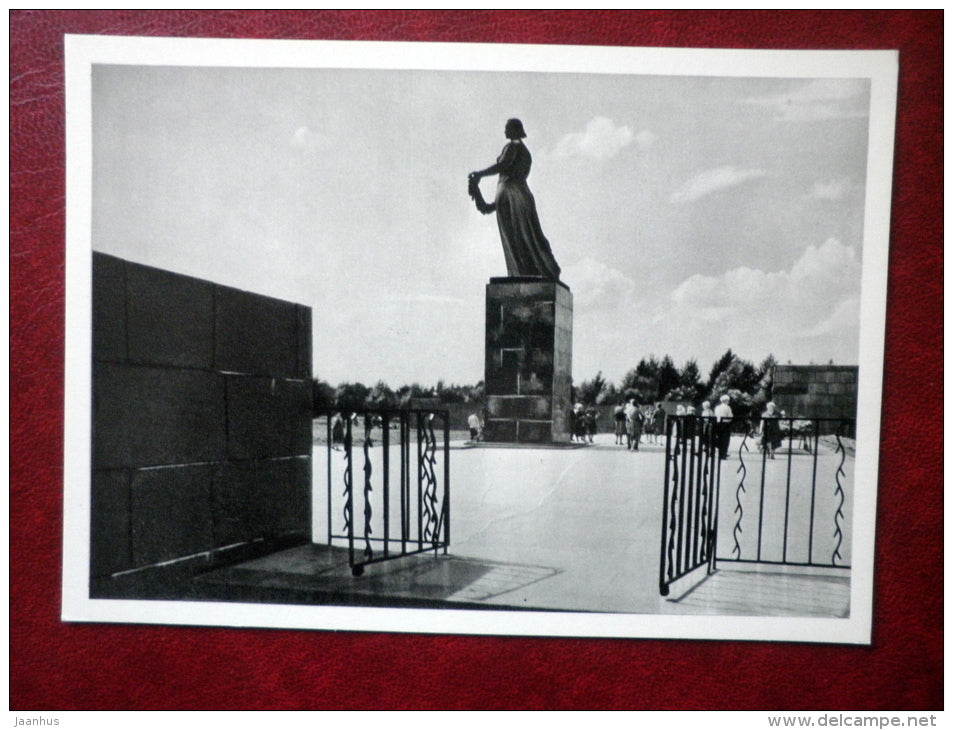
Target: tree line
{"x":655,"y":380}
{"x":652,"y":380}
{"x":356,"y":396}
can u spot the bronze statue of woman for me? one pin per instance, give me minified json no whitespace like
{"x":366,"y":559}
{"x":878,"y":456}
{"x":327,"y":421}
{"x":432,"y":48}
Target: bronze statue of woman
{"x":525,"y":248}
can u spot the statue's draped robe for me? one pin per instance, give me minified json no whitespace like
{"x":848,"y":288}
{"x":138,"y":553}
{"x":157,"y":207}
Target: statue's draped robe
{"x":525,"y":247}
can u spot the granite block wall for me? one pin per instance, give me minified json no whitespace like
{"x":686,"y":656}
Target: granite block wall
{"x":816,"y":391}
{"x":201,"y":417}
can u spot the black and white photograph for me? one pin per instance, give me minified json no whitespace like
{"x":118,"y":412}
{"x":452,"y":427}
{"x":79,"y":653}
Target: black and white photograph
{"x":473,"y":338}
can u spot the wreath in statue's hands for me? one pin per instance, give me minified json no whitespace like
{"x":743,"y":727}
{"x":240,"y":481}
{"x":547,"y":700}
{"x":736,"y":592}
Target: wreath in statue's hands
{"x":473,"y":188}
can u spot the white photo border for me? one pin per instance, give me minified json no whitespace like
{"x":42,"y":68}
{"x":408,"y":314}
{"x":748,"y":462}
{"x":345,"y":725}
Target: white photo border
{"x":82,"y":52}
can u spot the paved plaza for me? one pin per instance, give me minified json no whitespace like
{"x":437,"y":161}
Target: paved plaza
{"x":565,"y":529}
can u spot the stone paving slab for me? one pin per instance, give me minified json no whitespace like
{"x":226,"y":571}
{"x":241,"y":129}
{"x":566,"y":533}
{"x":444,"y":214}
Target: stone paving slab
{"x":732,"y":593}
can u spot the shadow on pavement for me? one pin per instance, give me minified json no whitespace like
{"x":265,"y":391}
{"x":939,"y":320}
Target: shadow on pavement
{"x":320,"y":575}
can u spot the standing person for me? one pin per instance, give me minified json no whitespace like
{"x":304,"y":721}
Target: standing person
{"x":578,"y":423}
{"x":633,"y":425}
{"x":659,"y":418}
{"x":648,"y":425}
{"x":770,"y":430}
{"x":337,"y":431}
{"x":707,"y":418}
{"x":525,"y":248}
{"x":618,"y":416}
{"x":723,"y":416}
{"x":475,"y":426}
{"x":590,"y":418}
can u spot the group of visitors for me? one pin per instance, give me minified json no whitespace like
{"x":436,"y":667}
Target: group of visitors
{"x":632,"y":422}
{"x":719,"y":420}
{"x":583,"y":423}
{"x":714,"y":423}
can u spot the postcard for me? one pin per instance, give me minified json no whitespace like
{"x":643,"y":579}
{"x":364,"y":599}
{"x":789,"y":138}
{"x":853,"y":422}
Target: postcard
{"x":475,"y":339}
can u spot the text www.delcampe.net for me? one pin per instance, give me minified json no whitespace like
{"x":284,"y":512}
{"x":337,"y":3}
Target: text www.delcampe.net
{"x":848,"y":720}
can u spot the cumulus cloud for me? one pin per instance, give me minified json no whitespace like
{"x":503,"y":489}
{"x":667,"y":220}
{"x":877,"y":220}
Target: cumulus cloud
{"x":819,"y":100}
{"x":829,"y":270}
{"x":595,"y":285}
{"x":808,"y":312}
{"x":818,"y":298}
{"x":845,"y":316}
{"x":601,"y":140}
{"x":711,"y":181}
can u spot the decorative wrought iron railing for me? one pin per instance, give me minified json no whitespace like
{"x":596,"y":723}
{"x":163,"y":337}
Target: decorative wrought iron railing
{"x":787,"y":497}
{"x":401,"y":506}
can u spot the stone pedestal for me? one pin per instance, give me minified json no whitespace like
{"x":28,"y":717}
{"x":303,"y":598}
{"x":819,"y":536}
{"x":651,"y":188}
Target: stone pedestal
{"x":528,"y":373}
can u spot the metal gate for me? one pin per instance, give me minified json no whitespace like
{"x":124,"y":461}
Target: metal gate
{"x":690,"y":503}
{"x":388,"y":478}
{"x":787,"y":506}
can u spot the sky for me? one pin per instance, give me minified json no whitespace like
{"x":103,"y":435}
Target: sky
{"x":689,"y":214}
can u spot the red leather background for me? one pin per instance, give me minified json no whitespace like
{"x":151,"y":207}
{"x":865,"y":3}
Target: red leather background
{"x":56,"y":666}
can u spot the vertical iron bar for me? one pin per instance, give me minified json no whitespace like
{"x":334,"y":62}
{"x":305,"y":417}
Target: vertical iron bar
{"x":810,"y":535}
{"x":663,"y":583}
{"x":368,"y":471}
{"x":329,"y":477}
{"x":787,"y":495}
{"x":350,"y":493}
{"x":385,"y":445}
{"x":711,"y":469}
{"x":420,"y":490}
{"x":410,"y":435}
{"x":690,"y":489}
{"x":687,"y":485}
{"x":764,"y":468}
{"x":716,"y":500}
{"x":704,"y":475}
{"x":696,"y":489}
{"x":446,"y":482}
{"x":714,"y":494}
{"x":404,"y":478}
{"x":680,"y":552}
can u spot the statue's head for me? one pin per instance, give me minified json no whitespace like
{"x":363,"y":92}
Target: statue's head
{"x":514,"y":129}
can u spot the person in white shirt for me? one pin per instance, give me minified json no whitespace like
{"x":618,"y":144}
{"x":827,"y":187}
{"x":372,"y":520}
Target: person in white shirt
{"x":473,"y":421}
{"x":723,"y":415}
{"x":633,"y":425}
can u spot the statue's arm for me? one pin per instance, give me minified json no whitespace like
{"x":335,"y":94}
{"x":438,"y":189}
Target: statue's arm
{"x":491,"y":170}
{"x":502,"y":165}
